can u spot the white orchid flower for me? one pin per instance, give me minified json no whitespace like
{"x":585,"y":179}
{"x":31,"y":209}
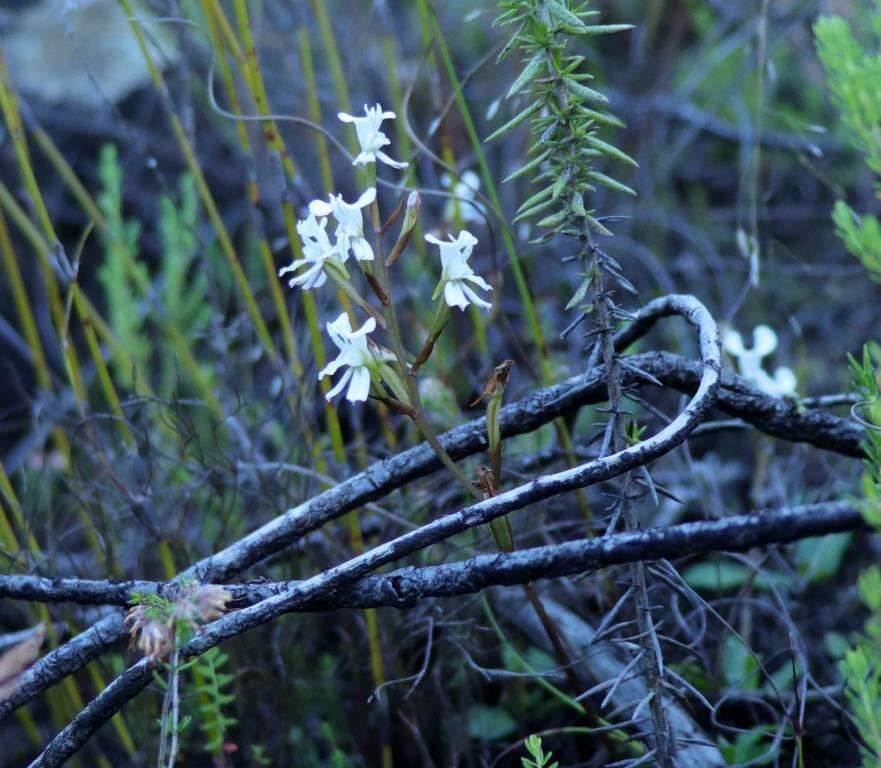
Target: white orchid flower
{"x":464,"y":191}
{"x":317,"y":250}
{"x":350,"y":223}
{"x":456,"y":274}
{"x":355,"y":355}
{"x":749,"y":361}
{"x":781,"y":384}
{"x":370,"y":137}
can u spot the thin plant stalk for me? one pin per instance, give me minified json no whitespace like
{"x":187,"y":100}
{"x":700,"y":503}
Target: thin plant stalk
{"x":353,"y":519}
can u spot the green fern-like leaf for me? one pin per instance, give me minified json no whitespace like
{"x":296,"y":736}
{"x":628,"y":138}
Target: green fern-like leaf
{"x":120,"y":274}
{"x":216,"y":694}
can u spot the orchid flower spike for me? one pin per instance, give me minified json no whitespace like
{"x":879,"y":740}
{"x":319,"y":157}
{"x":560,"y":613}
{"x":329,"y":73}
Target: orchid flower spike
{"x":317,"y":250}
{"x":350,"y":223}
{"x":370,"y":137}
{"x":355,"y":355}
{"x":456,"y":274}
{"x":464,"y":191}
{"x":749,"y":361}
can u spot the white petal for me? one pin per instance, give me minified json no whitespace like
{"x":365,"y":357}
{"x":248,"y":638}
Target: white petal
{"x":368,"y":327}
{"x":361,"y":248}
{"x":785,"y":380}
{"x":433,"y":239}
{"x":479,"y":282}
{"x":366,"y":199}
{"x":364,"y":158}
{"x":332,"y":393}
{"x":346,"y":118}
{"x":454,"y":295}
{"x":732,"y":341}
{"x":764,"y":340}
{"x":331,"y":368}
{"x":340,"y":330}
{"x":475,"y":299}
{"x":316,"y":278}
{"x":292,"y":267}
{"x":388,"y":161}
{"x":320,"y":208}
{"x":465,"y":238}
{"x":359,"y":389}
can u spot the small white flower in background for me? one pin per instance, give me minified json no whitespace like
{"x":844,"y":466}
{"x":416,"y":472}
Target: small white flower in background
{"x":316,"y":251}
{"x":782,"y":383}
{"x":354,"y":354}
{"x":370,"y":137}
{"x":464,"y":192}
{"x":350,"y":223}
{"x":456,"y":274}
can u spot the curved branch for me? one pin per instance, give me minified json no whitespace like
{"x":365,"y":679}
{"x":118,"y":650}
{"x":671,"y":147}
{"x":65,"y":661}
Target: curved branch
{"x":405,"y":587}
{"x":127,"y":685}
{"x":775,"y":416}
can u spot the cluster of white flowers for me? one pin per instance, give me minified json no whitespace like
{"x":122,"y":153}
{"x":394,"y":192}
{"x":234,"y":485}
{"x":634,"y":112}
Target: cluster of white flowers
{"x":362,"y":359}
{"x":749,"y":361}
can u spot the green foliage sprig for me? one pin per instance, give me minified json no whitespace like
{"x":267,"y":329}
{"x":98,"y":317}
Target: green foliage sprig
{"x":853,"y":71}
{"x":538,"y":757}
{"x":124,"y":308}
{"x":565,"y":114}
{"x":214,"y":688}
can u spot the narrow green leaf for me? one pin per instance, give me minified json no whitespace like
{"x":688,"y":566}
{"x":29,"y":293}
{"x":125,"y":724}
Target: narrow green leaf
{"x":608,"y":181}
{"x":610,"y":150}
{"x":606,"y":29}
{"x":526,"y":76}
{"x":554,"y":219}
{"x":584,"y":92}
{"x":514,"y":121}
{"x":534,"y":163}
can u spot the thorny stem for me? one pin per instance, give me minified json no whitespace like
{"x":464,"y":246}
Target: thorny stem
{"x":651,"y":663}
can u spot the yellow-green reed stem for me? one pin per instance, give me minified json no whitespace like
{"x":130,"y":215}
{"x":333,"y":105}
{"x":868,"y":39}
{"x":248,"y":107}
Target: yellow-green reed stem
{"x":405,"y":149}
{"x":526,"y":299}
{"x":338,"y":78}
{"x":332,"y":52}
{"x":23,"y":307}
{"x":209,"y":11}
{"x":9,"y":108}
{"x":257,"y":89}
{"x":205,"y":195}
{"x":217,"y":21}
{"x":68,"y":175}
{"x":308,"y":64}
{"x":12,"y":115}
